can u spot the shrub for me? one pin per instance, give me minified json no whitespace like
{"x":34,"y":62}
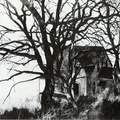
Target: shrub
{"x":111,"y":110}
{"x":15,"y":113}
{"x":84,"y":102}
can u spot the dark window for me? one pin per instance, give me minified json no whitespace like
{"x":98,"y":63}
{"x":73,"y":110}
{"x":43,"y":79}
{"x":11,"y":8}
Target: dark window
{"x":94,"y":88}
{"x":102,"y":84}
{"x":76,"y":89}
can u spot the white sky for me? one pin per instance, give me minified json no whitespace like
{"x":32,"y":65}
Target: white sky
{"x":22,"y":91}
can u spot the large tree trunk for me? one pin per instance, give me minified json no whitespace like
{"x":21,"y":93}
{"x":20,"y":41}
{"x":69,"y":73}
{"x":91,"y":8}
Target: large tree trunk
{"x":46,"y":100}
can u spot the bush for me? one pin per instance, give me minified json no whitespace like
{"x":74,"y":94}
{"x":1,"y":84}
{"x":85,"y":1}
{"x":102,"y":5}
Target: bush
{"x":84,"y":102}
{"x":22,"y":113}
{"x":111,"y":110}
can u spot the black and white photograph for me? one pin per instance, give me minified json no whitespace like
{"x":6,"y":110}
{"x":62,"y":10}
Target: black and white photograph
{"x":60,"y":59}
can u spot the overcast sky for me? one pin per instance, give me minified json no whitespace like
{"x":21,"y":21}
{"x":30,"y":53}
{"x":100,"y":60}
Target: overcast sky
{"x":24,"y":90}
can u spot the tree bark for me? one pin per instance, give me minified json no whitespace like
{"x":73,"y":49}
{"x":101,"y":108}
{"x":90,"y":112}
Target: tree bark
{"x":46,"y":100}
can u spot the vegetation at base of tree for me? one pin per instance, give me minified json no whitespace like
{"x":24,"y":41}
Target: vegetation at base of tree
{"x":111,"y":110}
{"x":68,"y":111}
{"x":20,"y":113}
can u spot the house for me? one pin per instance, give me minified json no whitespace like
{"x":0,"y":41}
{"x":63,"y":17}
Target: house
{"x":95,"y":69}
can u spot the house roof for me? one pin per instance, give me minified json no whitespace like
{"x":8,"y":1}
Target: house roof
{"x":106,"y":72}
{"x":89,"y":48}
{"x":89,"y":55}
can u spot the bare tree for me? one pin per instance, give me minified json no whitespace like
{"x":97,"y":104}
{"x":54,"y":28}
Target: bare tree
{"x":51,"y":31}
